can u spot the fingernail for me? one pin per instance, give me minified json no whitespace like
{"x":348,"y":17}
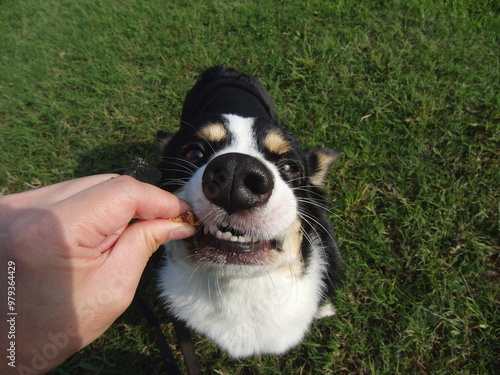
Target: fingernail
{"x":185,"y":205}
{"x":181,"y":230}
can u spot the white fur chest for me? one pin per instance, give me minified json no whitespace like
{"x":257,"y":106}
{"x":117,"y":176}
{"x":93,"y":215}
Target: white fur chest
{"x":266,"y":314}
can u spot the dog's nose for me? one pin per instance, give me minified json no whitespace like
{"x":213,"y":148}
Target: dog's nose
{"x":237,"y":182}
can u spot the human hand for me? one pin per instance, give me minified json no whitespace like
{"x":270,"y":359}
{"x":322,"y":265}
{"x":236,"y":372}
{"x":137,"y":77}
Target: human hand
{"x":77,"y":261}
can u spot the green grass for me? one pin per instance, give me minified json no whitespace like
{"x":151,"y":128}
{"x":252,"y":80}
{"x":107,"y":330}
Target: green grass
{"x":408,"y":89}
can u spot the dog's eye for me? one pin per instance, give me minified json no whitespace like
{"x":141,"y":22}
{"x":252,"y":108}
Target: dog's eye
{"x":193,"y":153}
{"x":288,"y":167}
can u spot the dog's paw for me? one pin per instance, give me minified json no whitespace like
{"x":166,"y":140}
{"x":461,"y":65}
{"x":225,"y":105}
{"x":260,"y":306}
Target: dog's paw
{"x":325,"y":310}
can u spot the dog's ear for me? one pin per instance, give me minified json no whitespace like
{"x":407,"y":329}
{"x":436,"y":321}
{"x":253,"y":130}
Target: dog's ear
{"x":162,"y":139}
{"x":320,"y":160}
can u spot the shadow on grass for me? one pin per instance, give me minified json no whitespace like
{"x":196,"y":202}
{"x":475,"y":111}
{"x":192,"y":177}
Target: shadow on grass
{"x":111,"y":157}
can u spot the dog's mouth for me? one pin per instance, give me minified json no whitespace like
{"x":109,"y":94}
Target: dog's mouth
{"x":225,"y":245}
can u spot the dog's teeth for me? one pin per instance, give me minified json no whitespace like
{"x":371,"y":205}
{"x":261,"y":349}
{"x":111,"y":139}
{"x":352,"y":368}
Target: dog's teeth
{"x":223,"y":235}
{"x":205,"y":229}
{"x":227,"y":236}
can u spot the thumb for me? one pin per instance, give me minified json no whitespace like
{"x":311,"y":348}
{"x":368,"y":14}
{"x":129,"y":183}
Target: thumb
{"x":138,"y":242}
{"x":142,"y":238}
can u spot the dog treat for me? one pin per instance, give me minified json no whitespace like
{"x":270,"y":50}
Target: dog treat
{"x":186,"y":217}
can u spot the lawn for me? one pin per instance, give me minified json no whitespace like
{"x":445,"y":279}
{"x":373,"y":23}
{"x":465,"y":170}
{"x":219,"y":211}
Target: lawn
{"x":409,"y":90}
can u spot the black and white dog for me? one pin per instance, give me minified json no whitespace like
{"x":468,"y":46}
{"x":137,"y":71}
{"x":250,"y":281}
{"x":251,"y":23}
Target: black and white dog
{"x":264,"y":261}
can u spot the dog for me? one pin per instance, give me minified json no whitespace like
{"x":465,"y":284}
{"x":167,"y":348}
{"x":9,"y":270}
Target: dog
{"x":265,"y":261}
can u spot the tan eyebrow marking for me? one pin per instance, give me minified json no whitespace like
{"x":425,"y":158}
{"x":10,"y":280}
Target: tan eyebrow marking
{"x":213,"y":132}
{"x":324,"y":161}
{"x":276,"y":144}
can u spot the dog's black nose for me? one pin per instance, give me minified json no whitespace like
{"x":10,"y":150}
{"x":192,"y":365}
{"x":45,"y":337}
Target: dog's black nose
{"x":237,"y":182}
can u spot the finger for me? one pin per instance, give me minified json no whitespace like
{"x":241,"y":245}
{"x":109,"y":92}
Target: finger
{"x":48,"y":195}
{"x":150,"y":235}
{"x":108,"y":207}
{"x":139,"y":241}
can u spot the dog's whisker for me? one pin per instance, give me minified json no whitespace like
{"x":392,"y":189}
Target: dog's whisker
{"x":177,"y":168}
{"x":310,"y":219}
{"x":183,"y":170}
{"x":176,"y":159}
{"x":324,"y":208}
{"x":173,"y":181}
